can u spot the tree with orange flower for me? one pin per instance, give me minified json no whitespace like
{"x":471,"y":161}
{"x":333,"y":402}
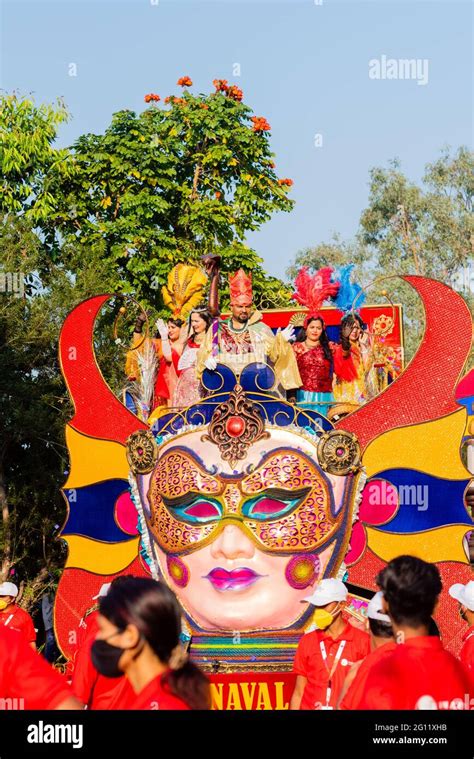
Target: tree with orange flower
{"x":190,"y":175}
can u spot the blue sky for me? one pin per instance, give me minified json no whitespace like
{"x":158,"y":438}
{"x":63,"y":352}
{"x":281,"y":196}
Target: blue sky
{"x":304,"y":66}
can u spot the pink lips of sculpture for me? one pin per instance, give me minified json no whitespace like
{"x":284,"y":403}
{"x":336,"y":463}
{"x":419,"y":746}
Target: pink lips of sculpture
{"x":237,"y":579}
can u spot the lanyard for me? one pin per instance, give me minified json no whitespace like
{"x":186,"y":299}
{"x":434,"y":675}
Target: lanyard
{"x":333,"y":668}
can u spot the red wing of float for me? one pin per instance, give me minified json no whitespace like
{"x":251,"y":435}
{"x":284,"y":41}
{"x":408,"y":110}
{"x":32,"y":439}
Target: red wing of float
{"x":426,"y":389}
{"x":98,"y":413}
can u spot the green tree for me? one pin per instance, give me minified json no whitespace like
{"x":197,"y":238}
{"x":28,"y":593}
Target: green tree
{"x":34,"y":404}
{"x":170,"y":184}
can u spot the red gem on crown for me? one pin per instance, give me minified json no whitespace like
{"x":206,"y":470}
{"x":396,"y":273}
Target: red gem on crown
{"x":235,"y":426}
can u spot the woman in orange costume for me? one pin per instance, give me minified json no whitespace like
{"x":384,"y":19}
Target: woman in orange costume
{"x":355,"y":378}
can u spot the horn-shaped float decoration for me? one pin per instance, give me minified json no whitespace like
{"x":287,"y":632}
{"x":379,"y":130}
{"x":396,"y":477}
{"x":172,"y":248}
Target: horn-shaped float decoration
{"x":98,"y":413}
{"x":426,"y":389}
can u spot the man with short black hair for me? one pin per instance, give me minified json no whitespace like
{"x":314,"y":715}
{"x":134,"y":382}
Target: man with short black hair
{"x":419,"y":673}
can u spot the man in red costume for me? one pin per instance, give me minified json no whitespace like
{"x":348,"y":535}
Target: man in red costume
{"x":419,"y":673}
{"x":13,"y":616}
{"x":323,"y":656}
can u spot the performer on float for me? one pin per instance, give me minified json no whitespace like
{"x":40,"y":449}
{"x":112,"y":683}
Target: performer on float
{"x":355,"y":375}
{"x":312,"y":348}
{"x":244,"y":339}
{"x":155,"y":359}
{"x":188,"y":388}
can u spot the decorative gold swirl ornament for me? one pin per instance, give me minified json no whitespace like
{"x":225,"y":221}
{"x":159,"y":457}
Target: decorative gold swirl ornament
{"x":142,"y":451}
{"x":235,"y":426}
{"x":339,"y":452}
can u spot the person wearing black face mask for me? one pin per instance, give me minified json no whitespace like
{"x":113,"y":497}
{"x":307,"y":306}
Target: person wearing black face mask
{"x":139,"y":626}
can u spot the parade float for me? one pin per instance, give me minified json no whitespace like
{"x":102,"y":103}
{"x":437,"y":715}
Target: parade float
{"x":243,"y":501}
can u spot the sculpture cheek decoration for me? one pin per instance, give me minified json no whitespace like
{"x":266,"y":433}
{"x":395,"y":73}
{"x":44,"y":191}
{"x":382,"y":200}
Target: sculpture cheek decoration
{"x":178,"y":571}
{"x":302,"y":571}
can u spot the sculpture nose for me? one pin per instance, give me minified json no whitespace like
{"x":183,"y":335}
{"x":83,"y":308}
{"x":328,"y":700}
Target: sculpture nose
{"x":232,"y":543}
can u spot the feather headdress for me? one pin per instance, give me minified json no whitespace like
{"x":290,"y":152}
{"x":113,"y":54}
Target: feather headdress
{"x":184,"y":289}
{"x":313,"y":289}
{"x":348,"y":291}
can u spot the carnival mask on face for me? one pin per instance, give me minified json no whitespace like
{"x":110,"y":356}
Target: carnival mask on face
{"x":284,"y":505}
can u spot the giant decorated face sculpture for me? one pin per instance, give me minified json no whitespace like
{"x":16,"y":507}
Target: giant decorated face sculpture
{"x":245,"y":517}
{"x":244,"y":501}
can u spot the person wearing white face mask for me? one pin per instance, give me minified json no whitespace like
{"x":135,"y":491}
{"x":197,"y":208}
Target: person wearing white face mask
{"x":323,"y":655}
{"x":13,"y":616}
{"x":382,"y":643}
{"x":464,"y":595}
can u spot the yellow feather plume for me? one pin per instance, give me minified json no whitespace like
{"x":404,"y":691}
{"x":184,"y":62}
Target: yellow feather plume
{"x":184,"y":289}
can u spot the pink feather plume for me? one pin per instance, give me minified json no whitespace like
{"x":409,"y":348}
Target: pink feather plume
{"x":313,"y":289}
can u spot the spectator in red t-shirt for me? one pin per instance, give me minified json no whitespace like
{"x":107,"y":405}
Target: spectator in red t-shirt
{"x":464,"y":594}
{"x":323,"y":655}
{"x":90,"y":687}
{"x":382,"y":643}
{"x":27,"y":681}
{"x":13,"y":616}
{"x":419,"y":673}
{"x":143,"y":619}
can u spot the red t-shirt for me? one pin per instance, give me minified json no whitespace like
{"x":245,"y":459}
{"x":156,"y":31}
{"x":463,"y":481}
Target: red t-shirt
{"x":27,"y":676}
{"x":93,"y":689}
{"x":418,"y":674}
{"x":309,"y":663}
{"x":156,"y":695}
{"x":355,"y":692}
{"x":18,"y":619}
{"x":467,"y":652}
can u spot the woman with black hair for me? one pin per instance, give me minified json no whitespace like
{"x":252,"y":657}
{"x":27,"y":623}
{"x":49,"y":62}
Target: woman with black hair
{"x":356,"y":378}
{"x":139,"y":627}
{"x":172,"y":345}
{"x":188,"y":388}
{"x":314,"y":356}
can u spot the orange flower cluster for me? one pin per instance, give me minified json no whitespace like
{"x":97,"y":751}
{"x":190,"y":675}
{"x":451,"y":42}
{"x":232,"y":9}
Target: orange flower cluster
{"x":221,"y":85}
{"x":204,"y":106}
{"x":185,"y":81}
{"x":285,"y":182}
{"x":260,"y":124}
{"x":235,"y":93}
{"x":152,"y":97}
{"x":217,"y":194}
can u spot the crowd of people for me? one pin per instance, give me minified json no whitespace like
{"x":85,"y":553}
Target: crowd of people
{"x":310,"y":370}
{"x":132,"y":656}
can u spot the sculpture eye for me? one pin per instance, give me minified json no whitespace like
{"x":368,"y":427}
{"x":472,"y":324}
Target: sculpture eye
{"x":198,"y":511}
{"x":273,"y":504}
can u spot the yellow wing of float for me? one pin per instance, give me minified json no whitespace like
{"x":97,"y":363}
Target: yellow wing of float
{"x":100,"y":558}
{"x":439,"y":544}
{"x":430,"y":447}
{"x":93,"y":460}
